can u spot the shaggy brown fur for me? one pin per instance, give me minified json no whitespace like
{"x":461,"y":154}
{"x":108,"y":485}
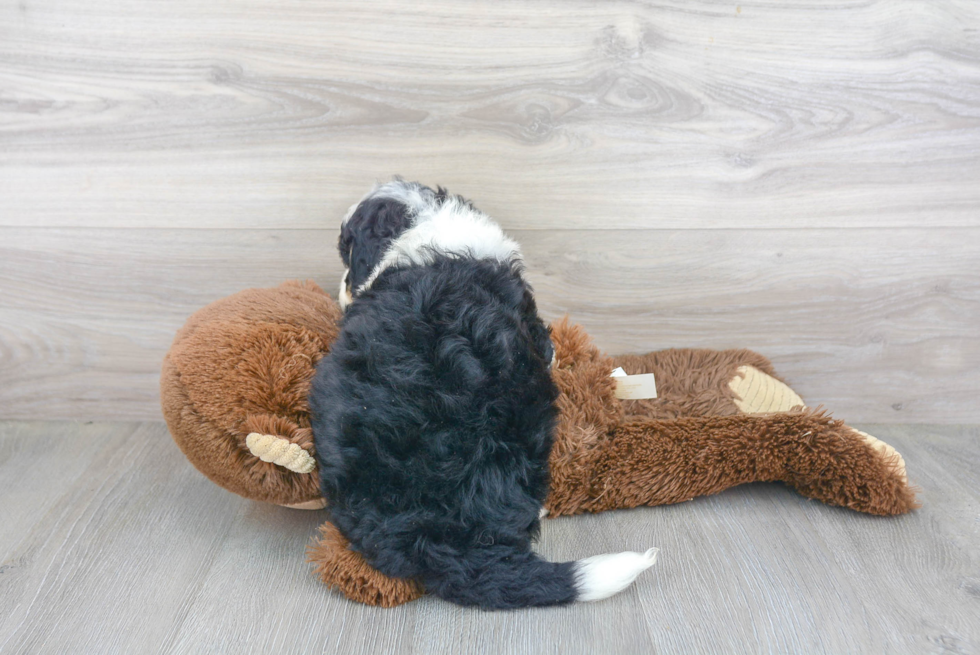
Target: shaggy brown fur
{"x":693,"y":441}
{"x":244,"y":364}
{"x":340,"y":567}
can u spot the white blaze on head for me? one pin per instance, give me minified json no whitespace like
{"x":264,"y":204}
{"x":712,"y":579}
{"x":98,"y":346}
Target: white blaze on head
{"x":440,"y":225}
{"x":451,"y":227}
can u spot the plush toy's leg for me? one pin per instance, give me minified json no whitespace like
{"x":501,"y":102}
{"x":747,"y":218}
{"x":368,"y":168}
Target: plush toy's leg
{"x":704,"y":383}
{"x":693,"y":382}
{"x":344,"y":569}
{"x":757,"y":392}
{"x":657,"y":462}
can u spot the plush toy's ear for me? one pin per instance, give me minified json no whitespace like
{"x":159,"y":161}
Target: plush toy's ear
{"x":284,"y":453}
{"x":270,"y":448}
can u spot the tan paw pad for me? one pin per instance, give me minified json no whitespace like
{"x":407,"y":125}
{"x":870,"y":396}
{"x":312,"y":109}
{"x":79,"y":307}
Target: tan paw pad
{"x":885,"y":450}
{"x":759,"y":393}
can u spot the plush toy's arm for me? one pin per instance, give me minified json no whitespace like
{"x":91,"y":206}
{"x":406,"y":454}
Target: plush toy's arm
{"x":659,"y":462}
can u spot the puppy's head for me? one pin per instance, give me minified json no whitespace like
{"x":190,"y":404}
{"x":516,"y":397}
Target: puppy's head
{"x":372,"y":224}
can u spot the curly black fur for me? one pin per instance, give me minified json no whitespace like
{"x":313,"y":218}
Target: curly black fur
{"x":433,"y":416}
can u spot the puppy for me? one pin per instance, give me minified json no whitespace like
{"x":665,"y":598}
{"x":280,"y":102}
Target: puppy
{"x":434,"y":410}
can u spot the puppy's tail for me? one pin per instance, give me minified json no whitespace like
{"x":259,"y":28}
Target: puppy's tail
{"x":503,"y":577}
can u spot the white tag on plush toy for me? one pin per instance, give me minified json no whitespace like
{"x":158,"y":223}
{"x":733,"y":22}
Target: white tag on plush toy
{"x":634,"y":387}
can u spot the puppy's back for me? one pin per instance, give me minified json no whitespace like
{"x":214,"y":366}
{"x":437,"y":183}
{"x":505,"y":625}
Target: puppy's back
{"x":433,"y":416}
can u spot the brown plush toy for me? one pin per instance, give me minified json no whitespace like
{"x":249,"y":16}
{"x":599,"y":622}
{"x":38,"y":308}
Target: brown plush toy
{"x":234,"y":387}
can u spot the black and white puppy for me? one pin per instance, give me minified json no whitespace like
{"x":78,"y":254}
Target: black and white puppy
{"x":434,"y":410}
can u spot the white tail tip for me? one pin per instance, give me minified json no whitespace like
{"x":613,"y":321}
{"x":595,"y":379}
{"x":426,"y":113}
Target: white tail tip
{"x":605,"y":575}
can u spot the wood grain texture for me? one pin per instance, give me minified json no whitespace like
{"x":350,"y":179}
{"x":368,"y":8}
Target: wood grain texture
{"x":554,"y":114}
{"x":878,"y":325}
{"x":795,"y":177}
{"x":122,"y":547}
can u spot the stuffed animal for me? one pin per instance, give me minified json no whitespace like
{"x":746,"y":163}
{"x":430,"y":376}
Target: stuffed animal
{"x":234,"y":384}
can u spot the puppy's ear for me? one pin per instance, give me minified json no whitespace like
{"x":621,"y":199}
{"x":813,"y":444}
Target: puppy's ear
{"x":368,"y":233}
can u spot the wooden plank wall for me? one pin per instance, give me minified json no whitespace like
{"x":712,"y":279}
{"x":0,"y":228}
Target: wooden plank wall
{"x":799,"y":178}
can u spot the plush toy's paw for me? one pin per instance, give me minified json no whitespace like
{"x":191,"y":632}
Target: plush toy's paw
{"x":886,"y":451}
{"x":759,"y":393}
{"x":346,"y":570}
{"x":838,"y":465}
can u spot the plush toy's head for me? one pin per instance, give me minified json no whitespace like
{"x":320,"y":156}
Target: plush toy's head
{"x":234,"y":386}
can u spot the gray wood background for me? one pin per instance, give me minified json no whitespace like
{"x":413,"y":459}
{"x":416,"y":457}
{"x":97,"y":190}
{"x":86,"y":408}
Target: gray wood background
{"x":799,"y":178}
{"x":128,"y":549}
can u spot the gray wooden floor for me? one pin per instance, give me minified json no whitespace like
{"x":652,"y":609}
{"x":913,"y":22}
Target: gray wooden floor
{"x":111,"y":542}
